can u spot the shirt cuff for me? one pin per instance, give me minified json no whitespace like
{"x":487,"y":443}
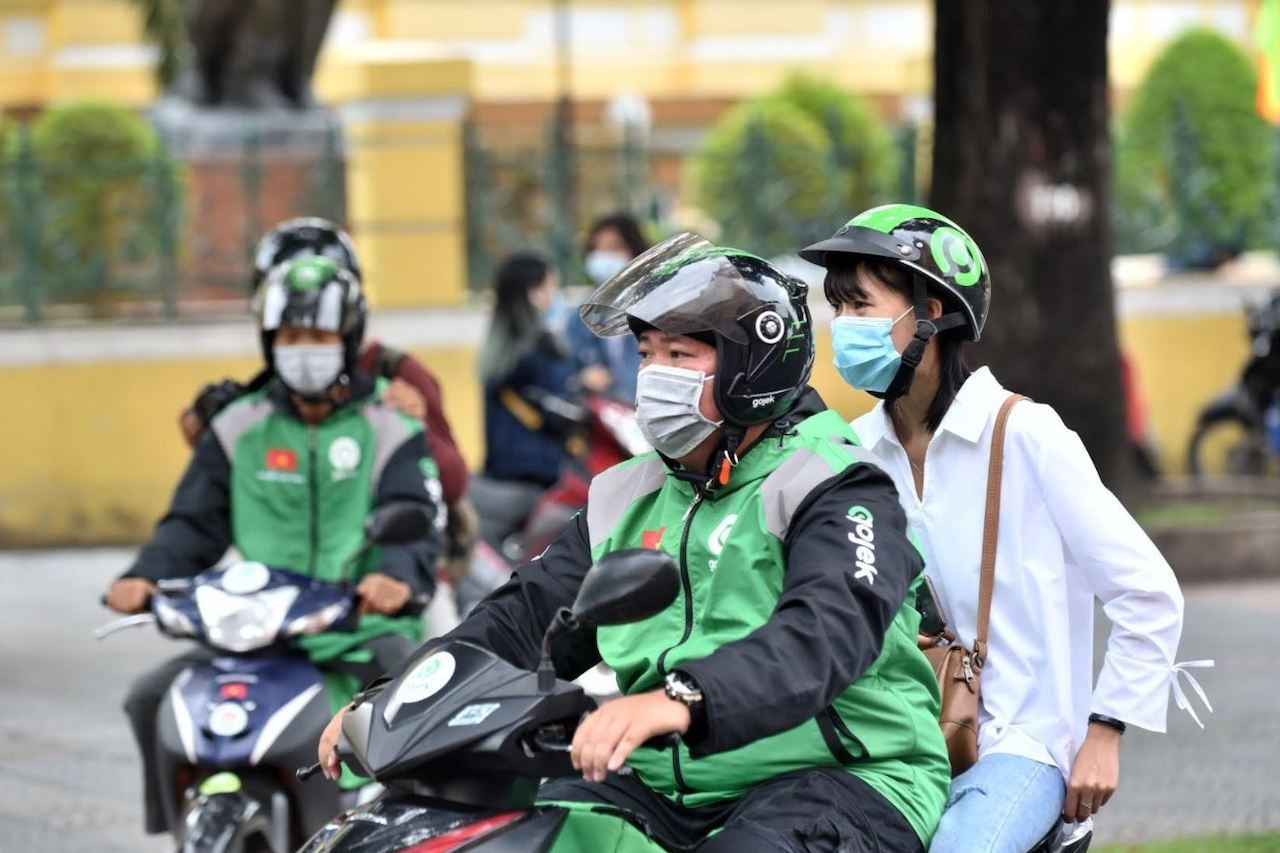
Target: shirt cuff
{"x":1137,"y":691}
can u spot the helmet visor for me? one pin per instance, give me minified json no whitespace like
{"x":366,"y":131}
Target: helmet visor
{"x":314,"y":308}
{"x":684,"y":285}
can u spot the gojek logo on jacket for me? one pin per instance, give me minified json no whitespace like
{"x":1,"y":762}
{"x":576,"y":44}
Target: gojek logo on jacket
{"x":863,"y":536}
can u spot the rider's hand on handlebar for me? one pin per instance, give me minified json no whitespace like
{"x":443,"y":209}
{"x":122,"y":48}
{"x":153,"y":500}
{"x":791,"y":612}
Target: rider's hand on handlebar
{"x":130,"y":595}
{"x":327,"y":752}
{"x":384,"y":594}
{"x":610,"y":734}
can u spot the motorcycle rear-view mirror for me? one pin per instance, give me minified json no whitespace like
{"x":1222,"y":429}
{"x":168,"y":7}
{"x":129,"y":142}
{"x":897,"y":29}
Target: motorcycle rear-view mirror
{"x":627,"y":586}
{"x":397,"y":524}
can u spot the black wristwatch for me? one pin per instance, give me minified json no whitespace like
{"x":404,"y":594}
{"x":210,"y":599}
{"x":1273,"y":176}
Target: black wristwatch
{"x":1102,"y":719}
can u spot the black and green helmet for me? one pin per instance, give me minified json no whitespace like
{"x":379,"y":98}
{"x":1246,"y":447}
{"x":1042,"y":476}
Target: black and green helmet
{"x":312,"y":293}
{"x":935,"y":249}
{"x":756,"y":314}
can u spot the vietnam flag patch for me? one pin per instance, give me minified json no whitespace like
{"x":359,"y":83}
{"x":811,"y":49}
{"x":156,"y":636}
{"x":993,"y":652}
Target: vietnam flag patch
{"x":651,"y":539}
{"x":281,"y":459}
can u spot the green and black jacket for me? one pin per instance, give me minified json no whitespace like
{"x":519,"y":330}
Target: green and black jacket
{"x":795,"y":617}
{"x":295,"y":497}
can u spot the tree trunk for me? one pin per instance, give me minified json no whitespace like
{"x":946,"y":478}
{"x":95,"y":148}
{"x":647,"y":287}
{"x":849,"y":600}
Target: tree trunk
{"x":1022,"y":160}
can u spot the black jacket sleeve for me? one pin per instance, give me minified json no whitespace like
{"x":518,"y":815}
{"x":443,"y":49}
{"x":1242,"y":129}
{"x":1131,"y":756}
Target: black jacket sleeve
{"x":196,"y":531}
{"x":830,"y":621}
{"x":511,"y":621}
{"x":406,"y":478}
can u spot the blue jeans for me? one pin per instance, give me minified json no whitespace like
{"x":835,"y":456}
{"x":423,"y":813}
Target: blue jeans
{"x":1003,"y":804}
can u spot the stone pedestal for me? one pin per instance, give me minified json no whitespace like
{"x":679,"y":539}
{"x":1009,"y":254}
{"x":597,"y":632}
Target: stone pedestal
{"x":243,"y":171}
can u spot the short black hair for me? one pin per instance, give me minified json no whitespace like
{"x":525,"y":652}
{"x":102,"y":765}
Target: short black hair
{"x":843,"y":285}
{"x":626,"y":226}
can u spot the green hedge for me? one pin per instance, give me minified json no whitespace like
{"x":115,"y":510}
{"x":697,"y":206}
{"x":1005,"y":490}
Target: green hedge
{"x":92,"y":204}
{"x":1194,"y":162}
{"x":784,"y":169}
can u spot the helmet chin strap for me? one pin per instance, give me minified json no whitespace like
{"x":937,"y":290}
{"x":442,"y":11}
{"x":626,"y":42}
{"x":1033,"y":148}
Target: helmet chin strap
{"x":914,"y":352}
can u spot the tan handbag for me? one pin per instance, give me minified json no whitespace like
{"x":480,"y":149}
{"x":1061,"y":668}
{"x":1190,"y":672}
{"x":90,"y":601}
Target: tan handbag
{"x":958,"y":669}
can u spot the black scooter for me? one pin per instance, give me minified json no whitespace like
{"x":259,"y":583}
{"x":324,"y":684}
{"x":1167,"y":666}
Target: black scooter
{"x":1238,"y":432}
{"x":463,"y":739}
{"x":462,"y":765}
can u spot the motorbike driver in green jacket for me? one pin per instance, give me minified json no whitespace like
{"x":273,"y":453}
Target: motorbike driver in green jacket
{"x":288,"y":474}
{"x":788,"y":663}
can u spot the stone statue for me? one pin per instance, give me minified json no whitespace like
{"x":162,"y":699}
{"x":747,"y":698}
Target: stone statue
{"x":252,"y":54}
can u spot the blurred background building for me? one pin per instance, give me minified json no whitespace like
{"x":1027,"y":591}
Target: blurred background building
{"x":464,"y":131}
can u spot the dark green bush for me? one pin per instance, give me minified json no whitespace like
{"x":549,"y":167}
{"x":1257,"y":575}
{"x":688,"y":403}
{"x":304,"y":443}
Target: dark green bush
{"x":764,"y":174}
{"x":1194,"y":161}
{"x":784,"y":169}
{"x":98,"y":201}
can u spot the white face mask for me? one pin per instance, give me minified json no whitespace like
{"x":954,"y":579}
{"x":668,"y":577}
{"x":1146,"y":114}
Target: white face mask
{"x":602,"y":266}
{"x":309,"y":368}
{"x":667,"y":409}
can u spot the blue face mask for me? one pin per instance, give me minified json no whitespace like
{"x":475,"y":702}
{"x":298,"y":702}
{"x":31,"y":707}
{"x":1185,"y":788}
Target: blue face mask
{"x":864,"y":350}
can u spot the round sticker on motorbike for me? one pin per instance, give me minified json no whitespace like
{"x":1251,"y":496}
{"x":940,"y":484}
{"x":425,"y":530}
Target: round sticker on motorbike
{"x":427,"y":678}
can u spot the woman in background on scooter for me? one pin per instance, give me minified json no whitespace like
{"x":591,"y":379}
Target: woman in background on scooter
{"x":1049,"y":739}
{"x":529,"y":382}
{"x":612,"y":242}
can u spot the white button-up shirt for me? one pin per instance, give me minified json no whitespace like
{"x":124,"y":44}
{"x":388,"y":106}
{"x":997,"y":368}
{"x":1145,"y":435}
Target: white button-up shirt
{"x":1064,"y":539}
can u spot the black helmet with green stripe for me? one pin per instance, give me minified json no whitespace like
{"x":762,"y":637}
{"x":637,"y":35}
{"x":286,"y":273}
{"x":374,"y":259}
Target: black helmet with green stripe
{"x":312,"y":293}
{"x":937,"y":251}
{"x":943,"y":261}
{"x":756,"y":315}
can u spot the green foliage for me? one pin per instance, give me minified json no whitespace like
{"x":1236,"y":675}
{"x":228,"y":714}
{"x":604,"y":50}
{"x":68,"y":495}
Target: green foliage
{"x":861,"y":147}
{"x":1194,"y":161}
{"x":96,"y":198}
{"x":1269,"y":843}
{"x":782,"y":170}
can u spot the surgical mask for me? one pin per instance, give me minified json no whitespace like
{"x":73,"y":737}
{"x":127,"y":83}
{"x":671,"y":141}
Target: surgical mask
{"x":309,"y":368}
{"x":864,"y":350}
{"x":667,"y":410}
{"x":602,"y":266}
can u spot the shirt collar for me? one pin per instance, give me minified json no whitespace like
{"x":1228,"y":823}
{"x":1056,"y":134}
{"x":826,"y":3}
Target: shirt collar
{"x":876,"y":427}
{"x":971,"y":409}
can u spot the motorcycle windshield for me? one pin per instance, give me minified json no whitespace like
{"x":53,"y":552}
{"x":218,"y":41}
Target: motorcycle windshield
{"x":684,"y":285}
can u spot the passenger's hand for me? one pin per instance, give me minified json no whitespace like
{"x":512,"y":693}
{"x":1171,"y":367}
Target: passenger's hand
{"x":1095,"y":774}
{"x":191,"y":425}
{"x":130,"y":595}
{"x":595,"y":379}
{"x":611,"y":733}
{"x":406,"y":399}
{"x":327,"y":751}
{"x":383,"y":594}
{"x":925,"y":642}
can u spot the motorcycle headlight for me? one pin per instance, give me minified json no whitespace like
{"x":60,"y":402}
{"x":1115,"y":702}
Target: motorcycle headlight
{"x":317,"y":620}
{"x":242,"y":623}
{"x":173,"y":620}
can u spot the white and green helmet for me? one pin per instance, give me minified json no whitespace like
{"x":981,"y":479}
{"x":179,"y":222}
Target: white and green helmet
{"x":936,"y":250}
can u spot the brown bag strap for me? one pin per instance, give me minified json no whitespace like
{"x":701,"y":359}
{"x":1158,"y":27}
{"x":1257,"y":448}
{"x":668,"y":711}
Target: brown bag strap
{"x":991,"y":529}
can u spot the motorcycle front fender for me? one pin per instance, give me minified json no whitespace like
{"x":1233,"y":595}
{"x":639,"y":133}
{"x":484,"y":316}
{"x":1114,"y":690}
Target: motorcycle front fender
{"x":398,"y":821}
{"x":221,"y":823}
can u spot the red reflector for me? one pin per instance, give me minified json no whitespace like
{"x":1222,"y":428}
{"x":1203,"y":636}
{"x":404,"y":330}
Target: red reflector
{"x":470,"y":832}
{"x":234,"y":691}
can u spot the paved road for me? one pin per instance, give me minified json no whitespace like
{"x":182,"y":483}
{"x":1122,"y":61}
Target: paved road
{"x":69,"y":778}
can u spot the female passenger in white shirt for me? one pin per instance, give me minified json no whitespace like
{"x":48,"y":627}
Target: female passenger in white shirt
{"x":1049,"y":739}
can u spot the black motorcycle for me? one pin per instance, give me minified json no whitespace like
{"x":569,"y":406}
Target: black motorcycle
{"x":462,"y":765}
{"x":462,"y":739}
{"x":1238,"y":432}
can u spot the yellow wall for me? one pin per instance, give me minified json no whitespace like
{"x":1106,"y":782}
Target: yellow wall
{"x":871,"y":60}
{"x":95,"y":452}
